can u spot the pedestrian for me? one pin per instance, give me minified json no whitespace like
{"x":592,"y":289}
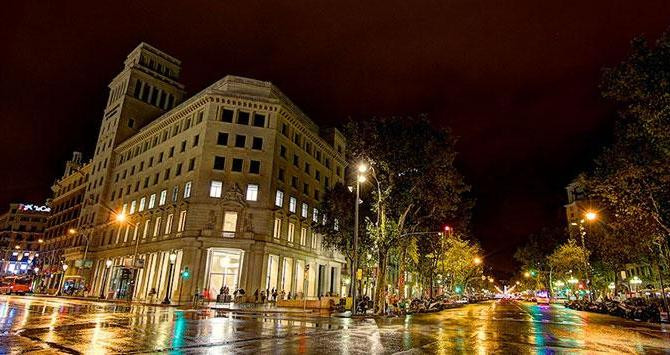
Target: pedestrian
{"x":256,"y":296}
{"x":282,"y":295}
{"x":274,"y":295}
{"x":262,"y":296}
{"x":288,"y":297}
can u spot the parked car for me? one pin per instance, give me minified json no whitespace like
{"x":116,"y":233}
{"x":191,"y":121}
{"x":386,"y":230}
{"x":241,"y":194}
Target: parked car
{"x":15,"y":284}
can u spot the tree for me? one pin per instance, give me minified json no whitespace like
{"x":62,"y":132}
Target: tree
{"x":413,"y":179}
{"x":458,"y":261}
{"x":338,"y":228}
{"x":633,"y":175}
{"x":569,"y":257}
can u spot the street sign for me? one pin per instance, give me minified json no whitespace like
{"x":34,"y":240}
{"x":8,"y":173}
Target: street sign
{"x":359,"y":274}
{"x":85,"y":264}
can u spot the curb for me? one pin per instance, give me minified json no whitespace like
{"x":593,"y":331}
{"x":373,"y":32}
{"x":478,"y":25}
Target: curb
{"x":96,"y":299}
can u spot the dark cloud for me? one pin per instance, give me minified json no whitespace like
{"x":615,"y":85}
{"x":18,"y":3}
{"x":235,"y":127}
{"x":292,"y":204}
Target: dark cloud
{"x":516,"y":80}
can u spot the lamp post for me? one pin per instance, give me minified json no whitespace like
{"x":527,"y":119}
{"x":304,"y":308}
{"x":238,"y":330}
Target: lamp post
{"x":108,"y":263}
{"x":360,"y":177}
{"x":590,"y":217}
{"x":173,"y":257}
{"x":62,"y":280}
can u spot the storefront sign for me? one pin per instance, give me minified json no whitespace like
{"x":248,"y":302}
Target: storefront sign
{"x":33,"y":208}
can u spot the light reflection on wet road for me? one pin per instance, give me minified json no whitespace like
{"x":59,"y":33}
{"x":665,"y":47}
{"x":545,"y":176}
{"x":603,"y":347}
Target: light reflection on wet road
{"x":48,"y":325}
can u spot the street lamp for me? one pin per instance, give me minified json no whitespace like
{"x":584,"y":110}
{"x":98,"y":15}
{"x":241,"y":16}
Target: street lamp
{"x":360,"y":178}
{"x":591,"y":216}
{"x":477,"y":260}
{"x":173,"y":258}
{"x":108,"y":264}
{"x":62,"y":280}
{"x":121,"y":217}
{"x":526,"y":274}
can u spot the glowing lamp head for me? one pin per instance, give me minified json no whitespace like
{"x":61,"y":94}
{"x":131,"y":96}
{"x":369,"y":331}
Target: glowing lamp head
{"x":121,"y":217}
{"x":477,"y":260}
{"x":173,"y":258}
{"x":591,"y":216}
{"x":362,"y":168}
{"x":72,"y":231}
{"x":447,"y":228}
{"x":108,"y":263}
{"x":361,"y":178}
{"x":65,"y":267}
{"x":526,"y":274}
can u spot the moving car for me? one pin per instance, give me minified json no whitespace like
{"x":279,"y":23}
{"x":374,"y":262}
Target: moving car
{"x":542,"y":297}
{"x":15,"y":284}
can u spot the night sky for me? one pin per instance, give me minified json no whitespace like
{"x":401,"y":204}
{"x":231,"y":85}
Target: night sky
{"x":516,"y":80}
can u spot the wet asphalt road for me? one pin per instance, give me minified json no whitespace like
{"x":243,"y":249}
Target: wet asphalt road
{"x":48,"y":325}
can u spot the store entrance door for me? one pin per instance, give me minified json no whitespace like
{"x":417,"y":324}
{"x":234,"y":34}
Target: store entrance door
{"x":124,"y":282}
{"x":319,"y":282}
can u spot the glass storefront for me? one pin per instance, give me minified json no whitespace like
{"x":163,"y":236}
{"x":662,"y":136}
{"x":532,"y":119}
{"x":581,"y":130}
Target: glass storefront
{"x":224,"y":270}
{"x":287,"y":275}
{"x":272,"y":272}
{"x":299,"y":277}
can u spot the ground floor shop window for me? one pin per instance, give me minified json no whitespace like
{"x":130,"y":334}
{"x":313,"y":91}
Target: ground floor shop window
{"x":224,"y":270}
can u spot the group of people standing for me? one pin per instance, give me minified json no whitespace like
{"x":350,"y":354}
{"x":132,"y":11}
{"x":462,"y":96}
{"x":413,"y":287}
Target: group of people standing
{"x":268,"y":295}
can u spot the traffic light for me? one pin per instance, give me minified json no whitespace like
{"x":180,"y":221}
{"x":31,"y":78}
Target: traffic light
{"x":185,"y":274}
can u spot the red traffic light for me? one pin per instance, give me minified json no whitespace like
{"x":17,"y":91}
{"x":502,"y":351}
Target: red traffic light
{"x":447,"y":228}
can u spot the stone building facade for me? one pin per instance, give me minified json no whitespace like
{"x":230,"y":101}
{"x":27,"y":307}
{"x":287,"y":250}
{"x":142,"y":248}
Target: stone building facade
{"x":227,"y":182}
{"x":63,"y":243}
{"x":21,"y":235}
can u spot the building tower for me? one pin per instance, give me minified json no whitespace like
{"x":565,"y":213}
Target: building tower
{"x":145,"y":89}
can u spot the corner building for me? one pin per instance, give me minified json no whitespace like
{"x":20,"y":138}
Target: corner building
{"x":228,"y":181}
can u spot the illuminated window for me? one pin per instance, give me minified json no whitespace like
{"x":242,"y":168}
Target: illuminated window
{"x":303,"y":236}
{"x":252,"y":192}
{"x":229,"y":224}
{"x":279,"y":198}
{"x":157,"y":227}
{"x":187,"y":190}
{"x":163,"y":197}
{"x":292,"y":204}
{"x":215,"y":189}
{"x":143,"y":202}
{"x":168,"y":224}
{"x":291,"y":232}
{"x":277,"y":228}
{"x":315,"y":215}
{"x":146,"y":228}
{"x":303,"y":213}
{"x":133,"y":204}
{"x":182,"y":221}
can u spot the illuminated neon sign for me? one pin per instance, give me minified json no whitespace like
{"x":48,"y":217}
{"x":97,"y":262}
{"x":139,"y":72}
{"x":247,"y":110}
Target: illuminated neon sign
{"x":33,"y":208}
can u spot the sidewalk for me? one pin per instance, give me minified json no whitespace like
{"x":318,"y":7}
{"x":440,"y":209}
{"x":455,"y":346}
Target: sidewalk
{"x":256,"y":308}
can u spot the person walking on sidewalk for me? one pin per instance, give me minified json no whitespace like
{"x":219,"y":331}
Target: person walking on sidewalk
{"x":256,"y":296}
